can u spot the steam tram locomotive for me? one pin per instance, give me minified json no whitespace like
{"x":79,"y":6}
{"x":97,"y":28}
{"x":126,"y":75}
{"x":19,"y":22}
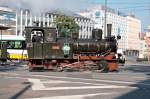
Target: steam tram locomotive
{"x":47,"y":50}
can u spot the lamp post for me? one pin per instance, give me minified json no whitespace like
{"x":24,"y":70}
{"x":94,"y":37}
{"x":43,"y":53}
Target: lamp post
{"x":1,"y":45}
{"x":105,"y":19}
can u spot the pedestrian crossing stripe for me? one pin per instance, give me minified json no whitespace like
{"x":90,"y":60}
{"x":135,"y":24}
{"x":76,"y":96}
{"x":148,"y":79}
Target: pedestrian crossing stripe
{"x":75,"y":96}
{"x":38,"y":85}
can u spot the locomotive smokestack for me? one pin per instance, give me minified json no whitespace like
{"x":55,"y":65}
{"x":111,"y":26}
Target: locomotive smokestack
{"x":109,"y":29}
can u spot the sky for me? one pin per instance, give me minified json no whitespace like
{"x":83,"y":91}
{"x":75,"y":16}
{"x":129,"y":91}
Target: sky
{"x":141,"y":9}
{"x":137,"y":7}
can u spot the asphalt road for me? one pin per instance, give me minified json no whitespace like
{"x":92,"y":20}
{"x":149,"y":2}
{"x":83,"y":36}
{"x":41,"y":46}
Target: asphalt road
{"x":132,"y":81}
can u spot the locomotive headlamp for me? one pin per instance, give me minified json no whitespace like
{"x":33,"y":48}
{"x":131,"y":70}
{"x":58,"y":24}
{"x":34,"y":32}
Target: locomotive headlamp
{"x":66,"y":49}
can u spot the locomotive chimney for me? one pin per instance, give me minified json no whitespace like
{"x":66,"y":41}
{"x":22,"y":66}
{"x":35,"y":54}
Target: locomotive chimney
{"x":109,"y":29}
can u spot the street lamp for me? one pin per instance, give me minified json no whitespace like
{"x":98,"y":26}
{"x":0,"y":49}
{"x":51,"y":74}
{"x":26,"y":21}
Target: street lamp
{"x":105,"y":19}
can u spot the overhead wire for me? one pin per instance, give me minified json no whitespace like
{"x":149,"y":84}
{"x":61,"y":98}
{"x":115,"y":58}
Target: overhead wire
{"x":133,"y":7}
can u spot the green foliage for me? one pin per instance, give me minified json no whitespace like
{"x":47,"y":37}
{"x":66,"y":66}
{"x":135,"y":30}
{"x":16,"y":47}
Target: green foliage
{"x":66,"y":25}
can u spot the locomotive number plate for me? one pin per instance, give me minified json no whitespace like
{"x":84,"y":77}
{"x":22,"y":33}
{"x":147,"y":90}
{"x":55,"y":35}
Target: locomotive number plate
{"x":55,"y":47}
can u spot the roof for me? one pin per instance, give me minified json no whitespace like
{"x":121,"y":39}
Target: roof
{"x":11,"y":37}
{"x":6,"y":9}
{"x":66,"y":13}
{"x":4,"y":27}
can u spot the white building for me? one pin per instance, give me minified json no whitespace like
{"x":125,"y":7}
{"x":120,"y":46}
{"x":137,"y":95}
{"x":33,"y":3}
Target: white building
{"x":25,"y":18}
{"x":115,"y":18}
{"x":143,"y":49}
{"x":8,"y":18}
{"x":121,"y":25}
{"x":86,"y":25}
{"x":133,"y":38}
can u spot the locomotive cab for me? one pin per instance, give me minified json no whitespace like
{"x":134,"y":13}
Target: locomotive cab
{"x":97,"y":34}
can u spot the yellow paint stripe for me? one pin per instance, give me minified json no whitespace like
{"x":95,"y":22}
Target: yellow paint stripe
{"x":18,"y":56}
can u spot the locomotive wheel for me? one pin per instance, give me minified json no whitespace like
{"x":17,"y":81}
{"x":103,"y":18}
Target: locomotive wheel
{"x":103,"y":66}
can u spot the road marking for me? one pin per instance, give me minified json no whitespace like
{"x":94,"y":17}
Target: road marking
{"x":60,"y":81}
{"x":3,"y":73}
{"x":39,"y":85}
{"x":75,"y":96}
{"x":56,"y":81}
{"x":108,"y":81}
{"x":81,"y":87}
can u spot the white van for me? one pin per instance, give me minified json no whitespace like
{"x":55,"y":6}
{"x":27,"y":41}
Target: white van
{"x":121,"y":56}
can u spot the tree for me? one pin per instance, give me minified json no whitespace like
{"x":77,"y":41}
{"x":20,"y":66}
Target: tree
{"x":66,"y":25}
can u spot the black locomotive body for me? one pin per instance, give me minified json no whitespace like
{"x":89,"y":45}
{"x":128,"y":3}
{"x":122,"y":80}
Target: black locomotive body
{"x":48,"y":51}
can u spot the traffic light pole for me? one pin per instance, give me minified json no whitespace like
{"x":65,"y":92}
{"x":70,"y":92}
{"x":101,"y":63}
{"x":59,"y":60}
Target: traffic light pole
{"x":105,"y":20}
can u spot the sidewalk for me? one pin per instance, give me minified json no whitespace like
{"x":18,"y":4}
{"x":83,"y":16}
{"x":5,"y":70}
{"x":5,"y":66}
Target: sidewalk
{"x":144,"y":63}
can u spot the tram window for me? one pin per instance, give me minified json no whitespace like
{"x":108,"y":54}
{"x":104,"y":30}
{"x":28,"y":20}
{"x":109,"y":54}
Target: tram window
{"x":11,"y":44}
{"x":2,"y":43}
{"x":14,"y":44}
{"x":23,"y":44}
{"x":34,"y":38}
{"x":49,"y":37}
{"x":37,"y":36}
{"x":18,"y":44}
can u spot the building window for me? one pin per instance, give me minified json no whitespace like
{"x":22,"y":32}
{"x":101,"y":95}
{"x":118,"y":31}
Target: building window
{"x":81,"y":28}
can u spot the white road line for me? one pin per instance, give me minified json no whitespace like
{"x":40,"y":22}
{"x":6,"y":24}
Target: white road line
{"x":60,"y":81}
{"x":55,"y":81}
{"x":39,"y":85}
{"x":108,"y":81}
{"x":82,"y":87}
{"x":15,"y":74}
{"x":75,"y":96}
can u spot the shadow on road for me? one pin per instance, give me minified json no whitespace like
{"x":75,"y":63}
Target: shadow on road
{"x":21,"y":92}
{"x":142,"y":91}
{"x":140,"y":68}
{"x":10,"y":66}
{"x":143,"y":87}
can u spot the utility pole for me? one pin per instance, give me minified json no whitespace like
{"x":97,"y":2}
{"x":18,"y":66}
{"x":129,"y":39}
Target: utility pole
{"x":105,"y":20}
{"x":148,"y":51}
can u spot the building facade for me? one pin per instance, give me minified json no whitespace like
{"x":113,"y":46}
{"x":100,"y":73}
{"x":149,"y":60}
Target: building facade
{"x":8,"y":18}
{"x":115,"y":18}
{"x":133,"y":39}
{"x":25,"y":18}
{"x":126,"y":26}
{"x":86,"y":25}
{"x":147,"y":41}
{"x":143,"y":46}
